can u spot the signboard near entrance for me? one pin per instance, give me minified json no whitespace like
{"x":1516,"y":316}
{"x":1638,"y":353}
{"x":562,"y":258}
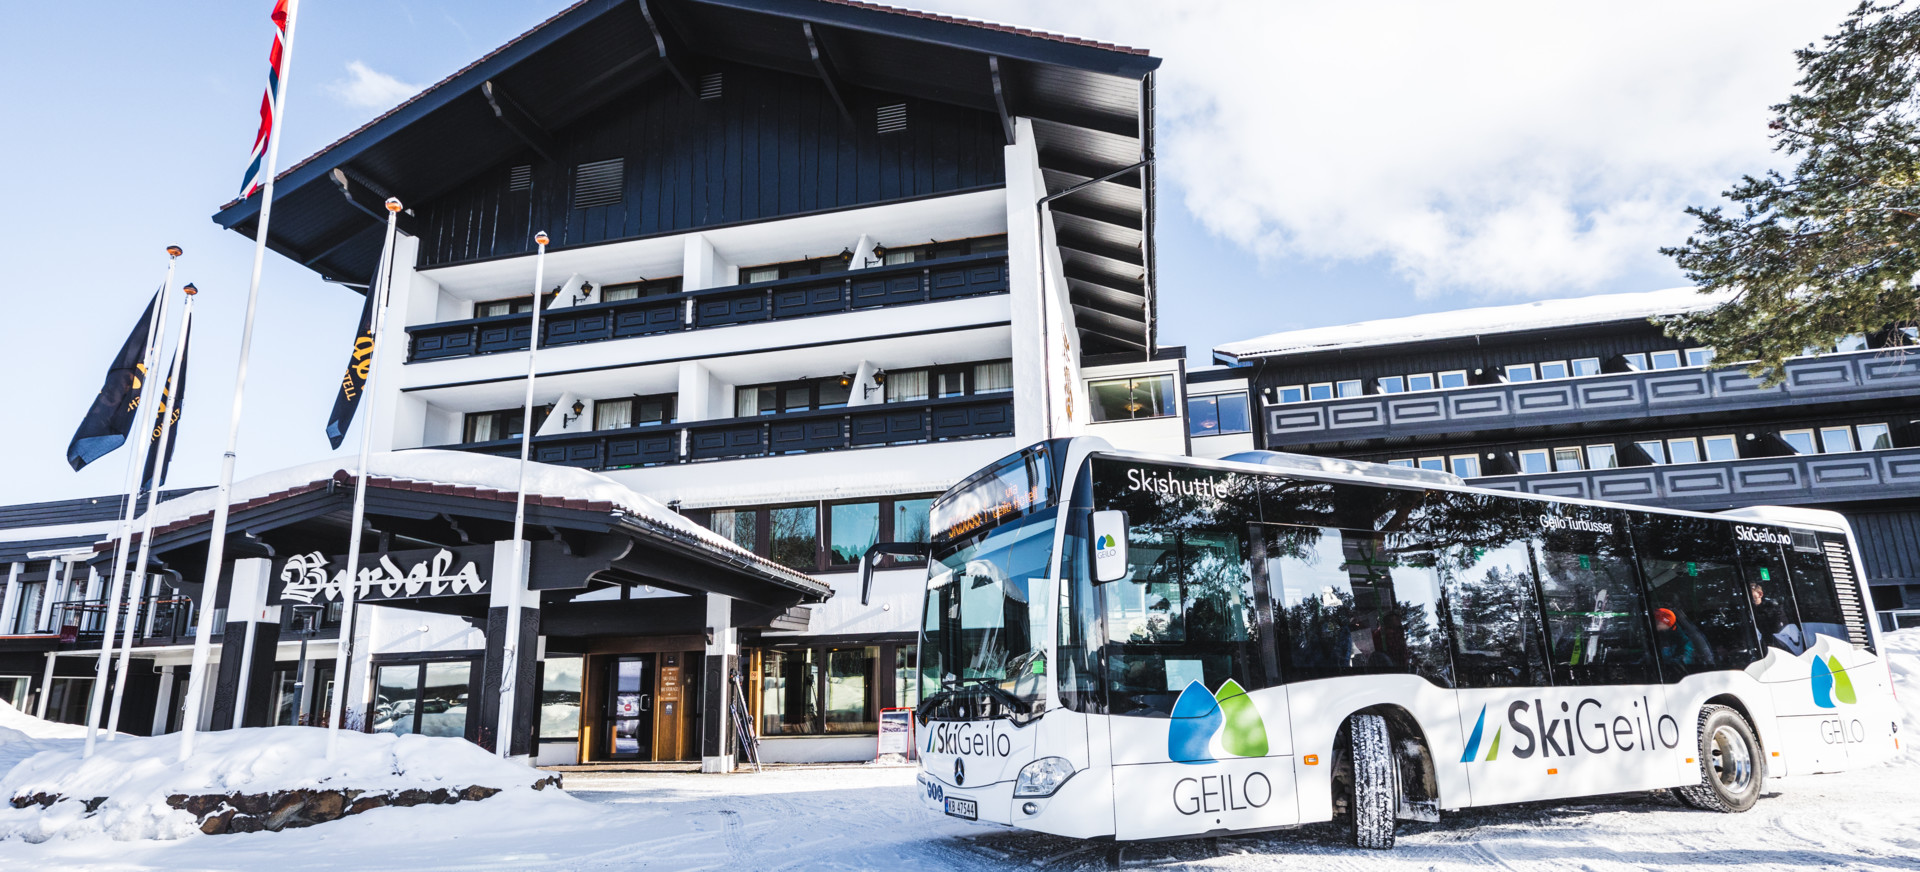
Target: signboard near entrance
{"x":428,"y":572}
{"x":896,"y":732}
{"x":669,"y":684}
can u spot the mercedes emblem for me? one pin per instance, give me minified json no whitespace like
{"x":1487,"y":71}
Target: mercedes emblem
{"x":960,"y":772}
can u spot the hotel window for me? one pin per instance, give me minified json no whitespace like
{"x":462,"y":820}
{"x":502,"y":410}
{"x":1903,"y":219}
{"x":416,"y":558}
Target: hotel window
{"x":992,"y":378}
{"x":1721,"y":448}
{"x":1454,"y":379}
{"x":1404,"y":461}
{"x":1420,"y":382}
{"x":634,"y":412}
{"x":1322,"y":391}
{"x":1217,"y":415}
{"x":1392,"y":384}
{"x":1666,"y":360}
{"x":1534,"y":460}
{"x":1553,"y":369}
{"x":1465,"y":465}
{"x":1683,"y":450}
{"x":792,"y":269}
{"x":811,"y":691}
{"x":1602,"y":457}
{"x":1351,"y":388}
{"x":1874,"y":437}
{"x":938,"y":250}
{"x":906,"y":385}
{"x":1801,"y":441}
{"x":560,"y":697}
{"x":512,"y":306}
{"x":1699,"y":357}
{"x":909,"y":525}
{"x":1520,"y":372}
{"x":1851,"y":342}
{"x":1655,"y":449}
{"x":795,"y":396}
{"x":740,"y":526}
{"x":852,"y":528}
{"x":1586,"y":366}
{"x":1290,"y":394}
{"x":1566,"y":460}
{"x":1635,"y":361}
{"x":794,"y":537}
{"x":501,"y":424}
{"x":1133,"y":398}
{"x":1836,"y":440}
{"x":640,"y":289}
{"x":1437,"y":464}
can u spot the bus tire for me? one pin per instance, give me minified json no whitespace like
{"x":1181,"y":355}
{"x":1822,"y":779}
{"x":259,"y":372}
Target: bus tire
{"x":1376,"y":786}
{"x":1732,"y":772}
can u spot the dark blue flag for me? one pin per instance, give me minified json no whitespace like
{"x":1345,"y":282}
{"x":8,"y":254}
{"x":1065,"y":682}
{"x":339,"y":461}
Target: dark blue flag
{"x":111,"y":418}
{"x":354,"y":382}
{"x":173,"y":398}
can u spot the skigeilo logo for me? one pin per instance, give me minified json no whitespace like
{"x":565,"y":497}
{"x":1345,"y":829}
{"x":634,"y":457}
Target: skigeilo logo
{"x":1198,"y":716}
{"x":1473,"y":742}
{"x":1830,"y":683}
{"x":1105,"y":543}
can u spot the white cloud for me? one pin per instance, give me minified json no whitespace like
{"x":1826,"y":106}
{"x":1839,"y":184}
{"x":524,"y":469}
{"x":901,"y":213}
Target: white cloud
{"x":1491,"y":149}
{"x":368,"y":88}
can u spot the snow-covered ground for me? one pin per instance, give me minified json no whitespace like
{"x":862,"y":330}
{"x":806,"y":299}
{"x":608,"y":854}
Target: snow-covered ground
{"x":869,"y":818}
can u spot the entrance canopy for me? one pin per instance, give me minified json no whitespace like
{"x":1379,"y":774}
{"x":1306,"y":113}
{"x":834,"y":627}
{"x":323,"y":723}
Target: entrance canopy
{"x":431,"y":523}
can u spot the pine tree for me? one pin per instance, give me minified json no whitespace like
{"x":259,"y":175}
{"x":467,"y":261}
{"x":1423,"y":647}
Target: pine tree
{"x":1831,"y":250}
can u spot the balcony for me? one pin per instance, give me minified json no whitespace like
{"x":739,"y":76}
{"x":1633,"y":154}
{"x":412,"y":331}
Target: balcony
{"x":1860,"y":375}
{"x":939,"y":420}
{"x":1804,"y":480}
{"x":879,"y":287}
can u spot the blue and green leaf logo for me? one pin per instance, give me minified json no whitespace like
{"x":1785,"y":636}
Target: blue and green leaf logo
{"x":1830,"y":683}
{"x":1473,"y":742}
{"x":1198,"y":716}
{"x":1104,"y":542}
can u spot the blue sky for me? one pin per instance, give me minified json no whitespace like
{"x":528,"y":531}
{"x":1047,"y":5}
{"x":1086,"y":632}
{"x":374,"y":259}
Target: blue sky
{"x":1319,"y":164}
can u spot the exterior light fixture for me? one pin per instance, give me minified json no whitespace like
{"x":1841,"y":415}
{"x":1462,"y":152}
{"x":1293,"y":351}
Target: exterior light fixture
{"x":880,"y":253}
{"x":845,"y":379}
{"x":846,"y":255}
{"x":579,"y":408}
{"x":585,"y":292}
{"x":879,"y":378}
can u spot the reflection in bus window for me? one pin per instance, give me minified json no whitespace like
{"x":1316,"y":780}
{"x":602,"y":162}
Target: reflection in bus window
{"x":1774,"y":615}
{"x":1186,"y":613}
{"x":1596,"y":623}
{"x":1355,"y":602}
{"x":1813,"y":592}
{"x":1702,"y":618}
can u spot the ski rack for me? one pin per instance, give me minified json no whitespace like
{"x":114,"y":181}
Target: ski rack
{"x":743,"y":723}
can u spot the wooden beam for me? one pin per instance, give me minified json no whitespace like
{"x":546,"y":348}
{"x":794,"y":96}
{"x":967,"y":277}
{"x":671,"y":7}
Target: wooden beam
{"x":660,"y":45}
{"x":1000,"y":97}
{"x":822,"y":64}
{"x":518,"y":121}
{"x":367,"y":197}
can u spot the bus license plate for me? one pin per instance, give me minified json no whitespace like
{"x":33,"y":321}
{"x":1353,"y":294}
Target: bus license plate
{"x":963,"y":808}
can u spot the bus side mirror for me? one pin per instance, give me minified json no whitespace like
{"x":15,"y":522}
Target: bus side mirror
{"x":1109,"y":546}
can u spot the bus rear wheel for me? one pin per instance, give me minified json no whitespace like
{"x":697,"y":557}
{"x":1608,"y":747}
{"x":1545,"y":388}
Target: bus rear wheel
{"x":1375,"y":791}
{"x":1731,"y":769}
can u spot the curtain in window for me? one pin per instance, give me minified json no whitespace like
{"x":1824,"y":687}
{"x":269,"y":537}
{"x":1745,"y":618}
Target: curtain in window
{"x":746,"y":402}
{"x":906,"y":385}
{"x":992,"y":377}
{"x":612,"y":414}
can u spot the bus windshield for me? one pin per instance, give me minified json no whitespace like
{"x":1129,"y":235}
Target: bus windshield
{"x":992,"y":550}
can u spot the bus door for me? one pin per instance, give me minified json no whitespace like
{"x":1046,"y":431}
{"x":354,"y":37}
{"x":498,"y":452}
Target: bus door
{"x":1198,"y":737}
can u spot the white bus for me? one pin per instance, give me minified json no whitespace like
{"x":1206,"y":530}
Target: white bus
{"x":1125,"y":646}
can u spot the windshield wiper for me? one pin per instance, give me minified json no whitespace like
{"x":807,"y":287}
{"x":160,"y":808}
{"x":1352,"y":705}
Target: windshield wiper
{"x":966,"y":686}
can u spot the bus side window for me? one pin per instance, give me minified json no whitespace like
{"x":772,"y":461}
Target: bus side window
{"x":1813,"y":592}
{"x":1702,"y":618}
{"x":1185,"y":614}
{"x":1597,"y":628}
{"x":1496,"y":623}
{"x":1774,"y":615}
{"x":1350,"y":605}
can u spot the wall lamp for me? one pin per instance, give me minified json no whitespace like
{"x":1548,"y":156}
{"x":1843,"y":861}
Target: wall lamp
{"x":579,"y":408}
{"x":879,"y":378}
{"x":582,"y":295}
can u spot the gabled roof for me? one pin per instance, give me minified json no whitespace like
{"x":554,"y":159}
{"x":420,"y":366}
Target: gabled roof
{"x":1485,"y":321}
{"x":1091,"y":105}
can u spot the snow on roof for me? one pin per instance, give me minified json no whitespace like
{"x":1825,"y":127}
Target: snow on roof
{"x":1484,"y":321}
{"x":467,"y":470}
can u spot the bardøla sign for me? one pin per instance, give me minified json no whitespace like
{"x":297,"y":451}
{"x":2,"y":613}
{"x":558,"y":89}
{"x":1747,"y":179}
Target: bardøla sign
{"x":314,"y":577}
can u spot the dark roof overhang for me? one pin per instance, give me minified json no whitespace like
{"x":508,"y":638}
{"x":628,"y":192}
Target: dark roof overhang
{"x":1091,"y":106}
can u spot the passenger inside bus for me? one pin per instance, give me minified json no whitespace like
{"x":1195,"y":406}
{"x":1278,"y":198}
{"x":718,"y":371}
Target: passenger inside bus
{"x":1680,"y":641}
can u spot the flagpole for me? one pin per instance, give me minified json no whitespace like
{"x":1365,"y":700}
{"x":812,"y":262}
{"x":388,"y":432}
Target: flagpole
{"x":217,"y":543}
{"x":349,"y":584}
{"x":159,"y":453}
{"x":136,"y":459}
{"x":516,"y":576}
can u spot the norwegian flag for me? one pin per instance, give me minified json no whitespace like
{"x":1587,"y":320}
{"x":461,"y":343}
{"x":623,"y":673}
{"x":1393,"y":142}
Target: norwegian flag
{"x":268,"y":104}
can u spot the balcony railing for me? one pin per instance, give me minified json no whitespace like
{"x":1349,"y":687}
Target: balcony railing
{"x":939,"y":420}
{"x":1614,"y":396}
{"x":1803,"y":480}
{"x":878,"y":287}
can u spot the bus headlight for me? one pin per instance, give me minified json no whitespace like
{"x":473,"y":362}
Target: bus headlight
{"x":1042,"y":777}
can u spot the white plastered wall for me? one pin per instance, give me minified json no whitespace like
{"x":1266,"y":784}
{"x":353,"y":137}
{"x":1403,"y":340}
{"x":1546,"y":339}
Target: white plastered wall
{"x":1045,"y":359}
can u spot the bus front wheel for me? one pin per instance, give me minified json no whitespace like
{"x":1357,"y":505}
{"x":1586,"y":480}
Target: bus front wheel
{"x":1374,"y":794}
{"x":1731,"y":769}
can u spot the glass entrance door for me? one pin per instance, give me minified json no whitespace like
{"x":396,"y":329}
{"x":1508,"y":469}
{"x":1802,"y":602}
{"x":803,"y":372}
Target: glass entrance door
{"x":630,"y":707}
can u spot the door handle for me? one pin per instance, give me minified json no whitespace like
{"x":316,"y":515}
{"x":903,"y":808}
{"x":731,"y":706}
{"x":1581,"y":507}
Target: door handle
{"x":646,"y":702}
